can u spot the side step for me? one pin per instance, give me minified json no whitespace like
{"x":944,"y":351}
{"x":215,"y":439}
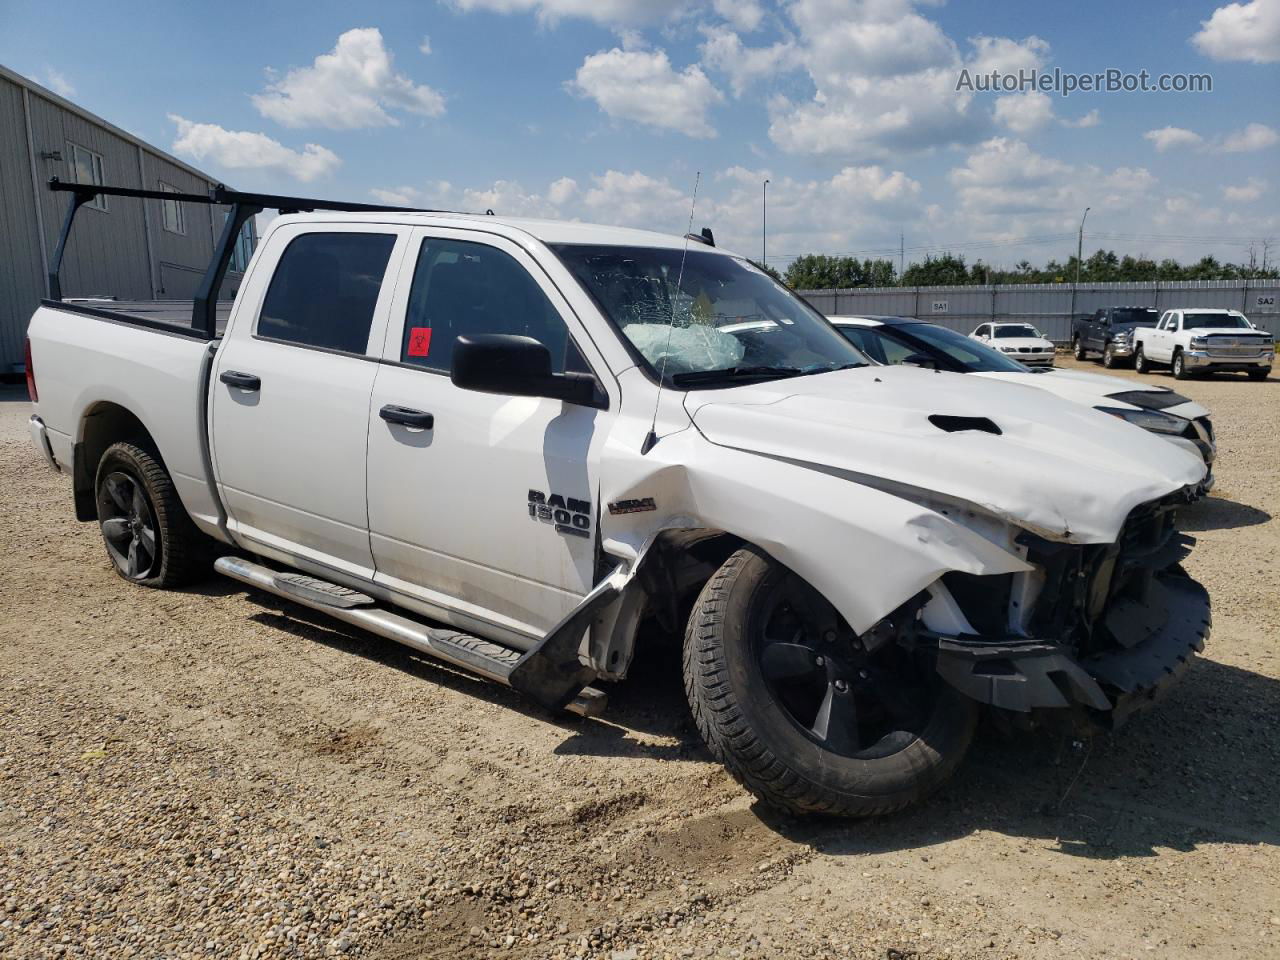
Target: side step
{"x":482,"y":657}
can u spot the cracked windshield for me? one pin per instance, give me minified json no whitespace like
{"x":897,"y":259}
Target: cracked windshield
{"x":720,"y":319}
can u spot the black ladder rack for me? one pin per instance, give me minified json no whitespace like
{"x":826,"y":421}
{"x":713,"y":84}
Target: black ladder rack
{"x":243,"y":206}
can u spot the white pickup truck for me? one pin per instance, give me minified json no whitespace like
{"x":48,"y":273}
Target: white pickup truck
{"x":506,"y":443}
{"x":1199,"y":341}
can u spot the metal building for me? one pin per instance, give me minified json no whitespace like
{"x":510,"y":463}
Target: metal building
{"x":123,"y":248}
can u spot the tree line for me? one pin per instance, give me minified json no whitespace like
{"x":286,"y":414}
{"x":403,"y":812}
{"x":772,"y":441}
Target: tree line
{"x":817,"y":271}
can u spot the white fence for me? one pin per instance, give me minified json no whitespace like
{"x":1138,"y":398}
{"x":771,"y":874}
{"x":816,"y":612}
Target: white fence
{"x":1049,"y":306}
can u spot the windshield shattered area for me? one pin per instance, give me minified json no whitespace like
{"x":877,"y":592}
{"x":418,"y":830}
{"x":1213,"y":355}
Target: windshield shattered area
{"x":709,"y":320}
{"x":1016,"y":331}
{"x":1216,"y":321}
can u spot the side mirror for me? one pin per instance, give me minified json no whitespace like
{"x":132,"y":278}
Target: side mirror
{"x":920,"y":360}
{"x":515,"y":366}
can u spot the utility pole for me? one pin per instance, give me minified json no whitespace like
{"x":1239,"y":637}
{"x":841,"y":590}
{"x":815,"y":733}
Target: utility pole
{"x":902,"y":254}
{"x":764,"y":223}
{"x":1079,"y":254}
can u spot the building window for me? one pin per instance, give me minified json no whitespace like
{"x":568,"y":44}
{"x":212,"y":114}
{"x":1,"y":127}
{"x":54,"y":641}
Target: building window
{"x":86,"y":167}
{"x":171,"y":213}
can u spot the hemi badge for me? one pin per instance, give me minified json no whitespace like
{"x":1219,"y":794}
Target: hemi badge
{"x":642,"y":505}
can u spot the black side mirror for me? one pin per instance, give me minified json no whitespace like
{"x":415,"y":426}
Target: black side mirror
{"x":920,"y":360}
{"x":515,"y":366}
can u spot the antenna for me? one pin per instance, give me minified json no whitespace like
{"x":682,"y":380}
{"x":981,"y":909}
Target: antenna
{"x":652,"y":437}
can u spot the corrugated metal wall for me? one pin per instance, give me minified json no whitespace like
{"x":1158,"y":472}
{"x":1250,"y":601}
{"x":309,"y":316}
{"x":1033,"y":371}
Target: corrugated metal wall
{"x":1049,"y":306}
{"x":124,"y":251}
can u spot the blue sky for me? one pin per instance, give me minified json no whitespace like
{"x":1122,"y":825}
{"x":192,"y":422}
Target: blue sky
{"x":605,"y":109}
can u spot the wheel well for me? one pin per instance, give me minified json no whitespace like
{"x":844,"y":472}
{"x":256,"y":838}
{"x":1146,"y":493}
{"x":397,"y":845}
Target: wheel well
{"x":677,"y":566}
{"x":104,"y":424}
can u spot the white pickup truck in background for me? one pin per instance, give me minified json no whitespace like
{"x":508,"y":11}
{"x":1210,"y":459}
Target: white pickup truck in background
{"x":1203,"y":341}
{"x":506,"y":443}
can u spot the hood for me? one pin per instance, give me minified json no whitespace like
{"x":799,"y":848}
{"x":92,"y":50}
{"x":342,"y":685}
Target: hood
{"x":1057,"y":468}
{"x":1228,"y":332}
{"x":1095,"y":389}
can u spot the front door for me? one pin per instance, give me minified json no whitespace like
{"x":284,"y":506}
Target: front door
{"x":487,"y":511}
{"x":291,"y":390}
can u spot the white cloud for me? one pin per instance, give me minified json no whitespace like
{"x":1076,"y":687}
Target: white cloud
{"x":744,"y":14}
{"x":1024,"y":113}
{"x":1242,"y":31}
{"x":1167,"y":138}
{"x":562,"y":190}
{"x":1091,"y":119}
{"x":1129,"y":180}
{"x":885,"y":79}
{"x":425,"y":46}
{"x":397,"y":196}
{"x":351,"y":87}
{"x":243,"y":150}
{"x":724,"y":51}
{"x":1247,"y":193}
{"x":642,"y":86}
{"x":57,"y":81}
{"x":610,"y":13}
{"x":1256,"y":136}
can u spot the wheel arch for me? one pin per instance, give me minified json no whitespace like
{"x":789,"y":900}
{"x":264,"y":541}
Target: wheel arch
{"x":102,"y":424}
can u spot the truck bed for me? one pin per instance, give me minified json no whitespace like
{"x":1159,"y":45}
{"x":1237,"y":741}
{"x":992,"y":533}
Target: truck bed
{"x":156,"y":314}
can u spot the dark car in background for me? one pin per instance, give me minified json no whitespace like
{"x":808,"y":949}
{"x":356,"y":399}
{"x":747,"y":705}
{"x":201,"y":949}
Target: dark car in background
{"x":1110,"y":332}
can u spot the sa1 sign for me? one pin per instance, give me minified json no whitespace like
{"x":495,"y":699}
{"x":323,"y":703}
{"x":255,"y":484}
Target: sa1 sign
{"x":1266,"y":303}
{"x":940,"y":306}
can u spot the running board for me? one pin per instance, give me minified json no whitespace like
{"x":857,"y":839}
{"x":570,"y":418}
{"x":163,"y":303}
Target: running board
{"x":550,"y":673}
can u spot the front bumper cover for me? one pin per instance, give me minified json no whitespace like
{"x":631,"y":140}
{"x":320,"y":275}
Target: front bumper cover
{"x":1159,"y":636}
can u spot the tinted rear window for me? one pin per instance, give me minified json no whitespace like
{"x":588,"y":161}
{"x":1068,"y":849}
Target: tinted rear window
{"x":1136,"y":317}
{"x":325,"y":289}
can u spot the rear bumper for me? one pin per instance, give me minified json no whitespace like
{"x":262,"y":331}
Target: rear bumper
{"x":40,"y":440}
{"x":1157,"y":640}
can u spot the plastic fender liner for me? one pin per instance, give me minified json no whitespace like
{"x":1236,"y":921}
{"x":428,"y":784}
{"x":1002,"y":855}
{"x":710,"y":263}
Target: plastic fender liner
{"x":1019,"y":675}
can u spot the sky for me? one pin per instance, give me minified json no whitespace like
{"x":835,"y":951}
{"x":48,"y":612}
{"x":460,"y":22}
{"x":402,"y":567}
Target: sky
{"x":856,"y":111}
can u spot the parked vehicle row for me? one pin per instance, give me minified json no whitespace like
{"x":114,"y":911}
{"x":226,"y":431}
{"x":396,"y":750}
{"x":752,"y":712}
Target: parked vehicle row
{"x":1190,"y":342}
{"x":507,"y":443}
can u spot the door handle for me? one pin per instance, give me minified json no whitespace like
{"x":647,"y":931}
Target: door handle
{"x":406,"y":416}
{"x":245,"y":381}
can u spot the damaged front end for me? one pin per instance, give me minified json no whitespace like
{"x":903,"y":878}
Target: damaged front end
{"x":1100,"y":628}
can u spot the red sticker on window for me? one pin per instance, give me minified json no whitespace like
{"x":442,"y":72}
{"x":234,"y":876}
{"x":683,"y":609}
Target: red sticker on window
{"x":419,"y":341}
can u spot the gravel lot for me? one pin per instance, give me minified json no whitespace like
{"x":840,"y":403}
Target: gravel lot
{"x":218,"y":774}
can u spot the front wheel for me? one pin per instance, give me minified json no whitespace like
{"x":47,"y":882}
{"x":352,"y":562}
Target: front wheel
{"x":1109,"y":358}
{"x":1140,"y":363}
{"x":150,"y":539}
{"x":800,"y":712}
{"x":1180,"y":371}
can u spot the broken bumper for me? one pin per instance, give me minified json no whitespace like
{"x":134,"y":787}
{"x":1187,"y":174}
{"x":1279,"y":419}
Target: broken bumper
{"x":1157,"y":639}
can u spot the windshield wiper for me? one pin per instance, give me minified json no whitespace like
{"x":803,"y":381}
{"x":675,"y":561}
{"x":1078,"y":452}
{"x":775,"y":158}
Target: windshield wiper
{"x":735,"y":373}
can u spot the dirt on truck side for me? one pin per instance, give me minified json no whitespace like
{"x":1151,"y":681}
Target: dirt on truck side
{"x":216,"y":773}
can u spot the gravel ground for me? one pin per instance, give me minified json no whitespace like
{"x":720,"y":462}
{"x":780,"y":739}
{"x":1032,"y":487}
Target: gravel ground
{"x":216,"y":774}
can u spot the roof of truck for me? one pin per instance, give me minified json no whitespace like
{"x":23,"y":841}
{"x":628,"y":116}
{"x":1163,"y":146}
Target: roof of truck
{"x":548,"y":231}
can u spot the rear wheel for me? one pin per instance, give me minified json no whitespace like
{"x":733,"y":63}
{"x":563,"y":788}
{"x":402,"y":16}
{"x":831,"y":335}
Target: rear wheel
{"x":1140,"y":363}
{"x":1078,"y":350}
{"x":1180,"y":371}
{"x":150,"y":539}
{"x":800,"y":712}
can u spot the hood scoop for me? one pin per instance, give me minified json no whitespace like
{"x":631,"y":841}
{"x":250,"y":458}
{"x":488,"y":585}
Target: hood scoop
{"x":959,"y":424}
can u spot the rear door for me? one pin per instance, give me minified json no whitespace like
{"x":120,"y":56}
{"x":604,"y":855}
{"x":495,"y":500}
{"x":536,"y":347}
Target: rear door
{"x":488,"y":514}
{"x":291,"y":388}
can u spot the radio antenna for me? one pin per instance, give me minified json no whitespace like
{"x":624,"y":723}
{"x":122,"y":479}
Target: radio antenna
{"x":652,"y":437}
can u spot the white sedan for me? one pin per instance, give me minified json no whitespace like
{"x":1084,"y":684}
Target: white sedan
{"x":906,"y":340}
{"x":1021,"y":341}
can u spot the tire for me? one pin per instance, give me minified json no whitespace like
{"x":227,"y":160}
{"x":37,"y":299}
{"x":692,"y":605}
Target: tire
{"x":1078,"y":350}
{"x":1140,"y":363}
{"x":756,"y":726}
{"x":149,"y":537}
{"x":1180,"y":371}
{"x":1109,"y":358}
{"x":1259,"y":374}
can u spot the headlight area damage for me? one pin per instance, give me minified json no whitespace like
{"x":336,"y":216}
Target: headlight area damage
{"x":1103,"y":628}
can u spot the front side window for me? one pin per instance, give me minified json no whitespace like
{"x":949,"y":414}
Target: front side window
{"x":325,"y":289}
{"x":971,"y":356}
{"x":462,"y":288}
{"x":172,"y":217}
{"x":86,"y":167}
{"x":697,"y":317}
